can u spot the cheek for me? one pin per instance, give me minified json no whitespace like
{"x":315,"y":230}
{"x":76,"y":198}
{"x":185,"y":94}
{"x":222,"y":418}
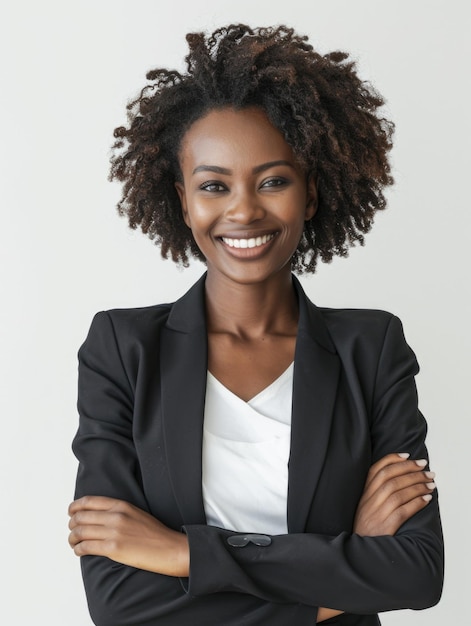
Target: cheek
{"x":200,"y":216}
{"x":298,"y":214}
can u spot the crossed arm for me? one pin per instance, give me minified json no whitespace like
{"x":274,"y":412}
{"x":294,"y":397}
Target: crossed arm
{"x":396,"y":489}
{"x":391,"y":558}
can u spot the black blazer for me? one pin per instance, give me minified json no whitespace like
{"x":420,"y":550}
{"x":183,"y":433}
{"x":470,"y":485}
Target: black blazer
{"x":142,"y":377}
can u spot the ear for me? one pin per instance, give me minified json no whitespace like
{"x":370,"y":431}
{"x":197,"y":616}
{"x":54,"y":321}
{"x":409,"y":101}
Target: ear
{"x":311,"y":198}
{"x":181,"y":194}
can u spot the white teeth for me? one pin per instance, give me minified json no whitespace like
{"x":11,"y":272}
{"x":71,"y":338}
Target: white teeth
{"x":253,"y":242}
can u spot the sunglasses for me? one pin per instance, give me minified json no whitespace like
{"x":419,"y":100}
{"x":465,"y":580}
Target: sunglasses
{"x":240,"y":541}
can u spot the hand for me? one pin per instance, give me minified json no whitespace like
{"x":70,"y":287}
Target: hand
{"x":396,"y":488}
{"x":323,"y":614}
{"x":124,"y":533}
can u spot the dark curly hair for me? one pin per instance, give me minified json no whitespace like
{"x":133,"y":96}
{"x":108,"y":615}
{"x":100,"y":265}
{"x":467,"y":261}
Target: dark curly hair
{"x":325,"y":112}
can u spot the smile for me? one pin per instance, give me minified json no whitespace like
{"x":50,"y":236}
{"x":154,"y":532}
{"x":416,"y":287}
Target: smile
{"x":253,"y":242}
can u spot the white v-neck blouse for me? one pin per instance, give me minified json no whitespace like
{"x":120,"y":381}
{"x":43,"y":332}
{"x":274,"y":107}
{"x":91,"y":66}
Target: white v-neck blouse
{"x":246,"y":449}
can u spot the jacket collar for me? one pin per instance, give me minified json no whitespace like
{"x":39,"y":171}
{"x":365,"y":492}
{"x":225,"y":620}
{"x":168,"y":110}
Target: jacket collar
{"x":188,"y":314}
{"x":184,"y":360}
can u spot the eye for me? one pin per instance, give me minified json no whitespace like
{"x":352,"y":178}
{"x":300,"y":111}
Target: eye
{"x":212,"y":186}
{"x":275,"y":181}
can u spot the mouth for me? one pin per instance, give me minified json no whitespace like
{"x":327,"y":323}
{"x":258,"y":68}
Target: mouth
{"x":249,"y":243}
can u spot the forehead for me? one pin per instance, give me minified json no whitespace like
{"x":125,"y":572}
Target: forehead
{"x":233,"y":138}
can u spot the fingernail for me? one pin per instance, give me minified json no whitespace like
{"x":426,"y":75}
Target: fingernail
{"x":404,"y":455}
{"x":430,"y":485}
{"x":430,"y":474}
{"x":421,"y":462}
{"x":427,"y":497}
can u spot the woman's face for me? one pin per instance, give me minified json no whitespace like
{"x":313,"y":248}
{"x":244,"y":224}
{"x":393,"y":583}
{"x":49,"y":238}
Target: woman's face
{"x":243,"y":195}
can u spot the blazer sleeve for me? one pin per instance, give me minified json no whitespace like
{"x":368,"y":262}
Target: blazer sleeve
{"x":119,"y":595}
{"x":108,"y":465}
{"x":348,"y":572}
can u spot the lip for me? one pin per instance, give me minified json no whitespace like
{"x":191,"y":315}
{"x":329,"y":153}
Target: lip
{"x":251,"y":242}
{"x":247,"y":253}
{"x":245,"y":234}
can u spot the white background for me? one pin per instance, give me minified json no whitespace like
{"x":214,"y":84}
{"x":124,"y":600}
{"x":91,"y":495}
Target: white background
{"x":67,"y":70}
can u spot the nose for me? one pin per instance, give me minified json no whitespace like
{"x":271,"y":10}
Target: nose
{"x":245,"y":208}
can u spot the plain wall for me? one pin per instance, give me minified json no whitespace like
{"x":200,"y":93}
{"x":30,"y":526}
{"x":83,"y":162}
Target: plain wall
{"x":67,"y":71}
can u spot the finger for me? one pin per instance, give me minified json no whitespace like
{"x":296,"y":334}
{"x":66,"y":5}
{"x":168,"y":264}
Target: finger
{"x":401,"y":482}
{"x":97,"y":503}
{"x":92,"y":547}
{"x":385,"y":486}
{"x":403,"y":513}
{"x":398,"y":468}
{"x":385,"y":461}
{"x":390,"y":524}
{"x":93,"y":518}
{"x":88,"y":533}
{"x":389,"y":480}
{"x":400,"y":498}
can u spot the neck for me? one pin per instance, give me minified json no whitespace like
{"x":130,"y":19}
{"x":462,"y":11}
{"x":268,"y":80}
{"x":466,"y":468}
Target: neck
{"x":252,"y":310}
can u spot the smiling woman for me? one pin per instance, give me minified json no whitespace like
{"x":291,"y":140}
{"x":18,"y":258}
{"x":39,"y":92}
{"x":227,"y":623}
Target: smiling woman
{"x":323,"y":110}
{"x":247,"y":221}
{"x":245,"y":456}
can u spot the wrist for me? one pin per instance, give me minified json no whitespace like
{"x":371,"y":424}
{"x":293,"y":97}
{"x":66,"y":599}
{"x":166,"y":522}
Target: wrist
{"x":182,"y":554}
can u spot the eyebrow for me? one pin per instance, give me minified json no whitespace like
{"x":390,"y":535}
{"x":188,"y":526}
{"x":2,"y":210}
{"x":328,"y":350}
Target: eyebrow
{"x":255,"y":170}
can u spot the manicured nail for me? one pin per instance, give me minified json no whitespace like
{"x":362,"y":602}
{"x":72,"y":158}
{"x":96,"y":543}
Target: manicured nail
{"x":430,"y":474}
{"x":430,"y":485}
{"x":421,"y":462}
{"x":404,"y":455}
{"x":427,"y":497}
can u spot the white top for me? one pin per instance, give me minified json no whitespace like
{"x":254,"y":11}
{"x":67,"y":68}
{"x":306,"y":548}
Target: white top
{"x":246,"y":449}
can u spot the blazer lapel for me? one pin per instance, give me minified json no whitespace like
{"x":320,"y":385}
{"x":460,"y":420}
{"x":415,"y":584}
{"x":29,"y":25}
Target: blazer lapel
{"x":316,"y":375}
{"x":183,"y":357}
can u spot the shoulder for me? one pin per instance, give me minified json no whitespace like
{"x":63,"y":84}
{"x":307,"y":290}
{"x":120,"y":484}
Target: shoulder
{"x":142,"y":327}
{"x":337,"y":327}
{"x":128,"y":327}
{"x":370,"y":339}
{"x":356,"y":321}
{"x":362,"y":330}
{"x":137,"y":320}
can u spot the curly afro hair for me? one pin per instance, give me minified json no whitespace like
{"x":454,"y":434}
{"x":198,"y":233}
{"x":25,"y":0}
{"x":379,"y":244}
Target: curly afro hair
{"x":325,"y":112}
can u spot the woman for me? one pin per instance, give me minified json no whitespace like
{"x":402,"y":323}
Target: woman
{"x":246,"y":457}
